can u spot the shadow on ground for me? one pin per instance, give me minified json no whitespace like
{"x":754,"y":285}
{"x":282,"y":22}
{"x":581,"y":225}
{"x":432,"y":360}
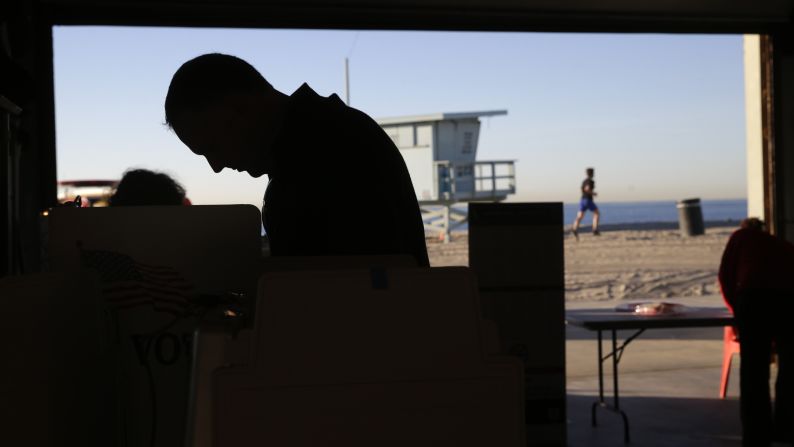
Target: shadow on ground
{"x":656,"y":422}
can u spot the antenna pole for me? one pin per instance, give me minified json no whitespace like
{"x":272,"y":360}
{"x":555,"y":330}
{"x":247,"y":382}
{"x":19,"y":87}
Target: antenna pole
{"x":347,"y":82}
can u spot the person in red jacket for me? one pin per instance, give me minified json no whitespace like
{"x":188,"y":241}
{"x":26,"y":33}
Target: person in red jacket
{"x":757,"y":280}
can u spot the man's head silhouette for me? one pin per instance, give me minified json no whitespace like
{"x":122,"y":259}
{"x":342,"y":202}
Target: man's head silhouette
{"x":225,"y":110}
{"x":753,"y":223}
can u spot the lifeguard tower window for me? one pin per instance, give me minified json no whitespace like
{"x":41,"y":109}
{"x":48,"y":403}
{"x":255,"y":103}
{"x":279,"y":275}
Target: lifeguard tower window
{"x":467,"y":142}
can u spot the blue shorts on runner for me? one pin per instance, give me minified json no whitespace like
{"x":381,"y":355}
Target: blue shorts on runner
{"x":587,"y":204}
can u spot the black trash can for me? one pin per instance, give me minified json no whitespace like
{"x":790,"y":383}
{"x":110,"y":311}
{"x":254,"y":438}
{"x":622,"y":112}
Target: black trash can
{"x":690,"y":217}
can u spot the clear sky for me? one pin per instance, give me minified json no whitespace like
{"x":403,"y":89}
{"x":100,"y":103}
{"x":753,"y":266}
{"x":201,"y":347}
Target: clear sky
{"x":659,"y":116}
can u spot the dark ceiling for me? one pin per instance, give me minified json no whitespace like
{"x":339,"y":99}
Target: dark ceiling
{"x":734,"y":16}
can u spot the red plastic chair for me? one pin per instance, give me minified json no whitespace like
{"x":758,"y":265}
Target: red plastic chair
{"x":729,"y":348}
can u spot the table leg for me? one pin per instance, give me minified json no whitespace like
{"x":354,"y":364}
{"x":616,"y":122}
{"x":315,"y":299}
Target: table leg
{"x":615,"y":369}
{"x":615,"y":360}
{"x":600,"y":400}
{"x":616,"y":354}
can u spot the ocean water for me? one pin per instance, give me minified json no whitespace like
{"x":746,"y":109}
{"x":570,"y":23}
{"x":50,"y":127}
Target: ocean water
{"x":658,"y":211}
{"x":662,"y":211}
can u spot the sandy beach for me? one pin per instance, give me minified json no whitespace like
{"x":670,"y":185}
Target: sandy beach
{"x":634,"y":263}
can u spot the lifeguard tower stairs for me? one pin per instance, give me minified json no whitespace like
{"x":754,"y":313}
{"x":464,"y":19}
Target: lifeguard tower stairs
{"x":440,"y":151}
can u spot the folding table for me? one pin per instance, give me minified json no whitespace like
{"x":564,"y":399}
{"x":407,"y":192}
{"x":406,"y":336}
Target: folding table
{"x":601,"y":320}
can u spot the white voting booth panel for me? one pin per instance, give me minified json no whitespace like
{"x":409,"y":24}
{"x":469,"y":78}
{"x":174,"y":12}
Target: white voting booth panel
{"x":369,"y":357}
{"x":216,"y":346}
{"x":215,"y":249}
{"x":516,"y":250}
{"x":56,"y":387}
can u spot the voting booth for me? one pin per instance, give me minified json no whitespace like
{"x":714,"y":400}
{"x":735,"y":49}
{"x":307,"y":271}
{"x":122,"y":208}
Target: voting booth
{"x":214,"y":247}
{"x":220,"y":345}
{"x":362,"y":357}
{"x":516,"y":250}
{"x":154,"y":266}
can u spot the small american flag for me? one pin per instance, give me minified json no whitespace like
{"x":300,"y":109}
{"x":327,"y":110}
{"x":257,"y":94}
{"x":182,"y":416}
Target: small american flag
{"x":127,"y":283}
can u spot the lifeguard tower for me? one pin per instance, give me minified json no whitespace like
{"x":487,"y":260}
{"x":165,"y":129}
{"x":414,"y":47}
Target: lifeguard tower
{"x":440,"y":151}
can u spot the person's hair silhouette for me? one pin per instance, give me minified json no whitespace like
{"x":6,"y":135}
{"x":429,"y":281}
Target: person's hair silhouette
{"x":141,"y":187}
{"x":207,"y":80}
{"x":753,"y":223}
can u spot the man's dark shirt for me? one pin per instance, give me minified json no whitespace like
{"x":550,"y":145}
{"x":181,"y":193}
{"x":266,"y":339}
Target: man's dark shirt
{"x":339,"y":185}
{"x":755,"y":260}
{"x":591,"y":183}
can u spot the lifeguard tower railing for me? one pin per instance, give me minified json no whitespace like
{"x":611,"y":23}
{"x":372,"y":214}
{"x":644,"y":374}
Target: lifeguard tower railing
{"x":491,"y":180}
{"x":485,"y":180}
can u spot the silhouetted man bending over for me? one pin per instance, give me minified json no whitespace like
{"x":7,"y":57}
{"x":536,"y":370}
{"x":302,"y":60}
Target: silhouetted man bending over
{"x":338,"y":185}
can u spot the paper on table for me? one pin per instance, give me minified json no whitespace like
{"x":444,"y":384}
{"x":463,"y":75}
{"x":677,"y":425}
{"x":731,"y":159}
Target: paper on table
{"x":651,"y":308}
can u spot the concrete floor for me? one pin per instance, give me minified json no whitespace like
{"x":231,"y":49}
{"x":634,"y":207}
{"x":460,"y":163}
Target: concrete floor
{"x":669,"y":385}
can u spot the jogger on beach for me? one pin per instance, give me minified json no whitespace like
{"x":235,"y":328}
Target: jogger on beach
{"x":587,"y":203}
